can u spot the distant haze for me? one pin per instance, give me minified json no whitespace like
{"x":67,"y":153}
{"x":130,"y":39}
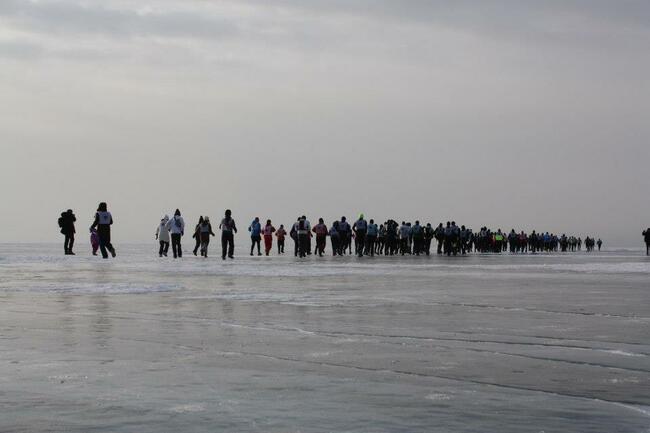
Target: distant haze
{"x":523,"y":114}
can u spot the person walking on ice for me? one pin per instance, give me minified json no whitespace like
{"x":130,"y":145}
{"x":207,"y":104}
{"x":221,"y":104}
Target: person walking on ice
{"x":268,"y":231}
{"x":162,"y":235}
{"x":103,"y":222}
{"x":227,"y":228}
{"x":256,"y":235}
{"x":205,"y":231}
{"x":177,"y":228}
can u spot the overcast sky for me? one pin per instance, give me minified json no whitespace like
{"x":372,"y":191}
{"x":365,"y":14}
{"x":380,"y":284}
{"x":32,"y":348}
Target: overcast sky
{"x":524,"y":114}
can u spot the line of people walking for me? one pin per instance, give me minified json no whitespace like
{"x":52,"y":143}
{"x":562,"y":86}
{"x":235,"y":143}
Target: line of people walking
{"x":362,"y":237}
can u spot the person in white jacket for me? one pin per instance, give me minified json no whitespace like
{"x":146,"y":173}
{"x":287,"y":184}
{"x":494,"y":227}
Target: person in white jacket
{"x":162,"y":235}
{"x":176,"y":226}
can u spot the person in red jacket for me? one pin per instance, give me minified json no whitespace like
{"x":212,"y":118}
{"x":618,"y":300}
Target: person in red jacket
{"x":267,"y":231}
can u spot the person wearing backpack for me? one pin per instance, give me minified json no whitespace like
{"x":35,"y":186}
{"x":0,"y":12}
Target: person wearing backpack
{"x":321,"y":231}
{"x":303,"y":237}
{"x":66,"y":223}
{"x":205,"y":231}
{"x":103,"y":222}
{"x":360,"y":228}
{"x":256,"y":235}
{"x":162,"y":235}
{"x":177,"y":228}
{"x":227,"y":227}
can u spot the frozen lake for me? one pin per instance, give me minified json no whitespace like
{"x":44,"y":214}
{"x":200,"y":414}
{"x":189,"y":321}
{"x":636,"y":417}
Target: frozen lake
{"x":543,"y":343}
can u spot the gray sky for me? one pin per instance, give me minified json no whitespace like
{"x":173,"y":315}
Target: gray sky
{"x":523,"y":114}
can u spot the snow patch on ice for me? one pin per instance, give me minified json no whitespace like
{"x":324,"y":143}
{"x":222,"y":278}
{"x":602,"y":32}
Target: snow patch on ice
{"x":623,"y":353}
{"x":438,"y":397}
{"x":188,"y":408}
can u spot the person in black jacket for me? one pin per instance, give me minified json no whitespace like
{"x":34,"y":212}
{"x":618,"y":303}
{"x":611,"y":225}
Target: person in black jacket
{"x":227,"y":228}
{"x":66,"y":222}
{"x":197,"y":235}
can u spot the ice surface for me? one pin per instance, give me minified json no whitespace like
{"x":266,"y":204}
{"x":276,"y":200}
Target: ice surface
{"x":553,"y":343}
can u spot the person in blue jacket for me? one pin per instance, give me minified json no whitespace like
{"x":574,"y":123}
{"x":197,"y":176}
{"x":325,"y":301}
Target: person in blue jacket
{"x":256,"y":235}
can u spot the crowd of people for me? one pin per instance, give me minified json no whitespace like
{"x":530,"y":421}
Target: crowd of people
{"x":361,"y":237}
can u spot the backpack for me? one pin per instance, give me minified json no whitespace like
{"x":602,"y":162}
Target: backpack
{"x":61,"y":221}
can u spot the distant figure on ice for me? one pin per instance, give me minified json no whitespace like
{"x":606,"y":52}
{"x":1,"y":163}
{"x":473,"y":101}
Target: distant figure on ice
{"x":162,"y":235}
{"x":197,"y":235}
{"x":335,"y":238}
{"x":646,"y":238}
{"x":205,"y":231}
{"x":371,"y":237}
{"x":177,"y":228}
{"x":281,"y":233}
{"x":268,"y":236}
{"x":417,"y":232}
{"x":66,"y":222}
{"x":103,"y":222}
{"x":303,"y":231}
{"x":94,"y":241}
{"x":599,"y":243}
{"x":228,"y":227}
{"x":293,"y":233}
{"x":321,"y":231}
{"x":360,"y":228}
{"x":256,"y":235}
{"x":345,"y":235}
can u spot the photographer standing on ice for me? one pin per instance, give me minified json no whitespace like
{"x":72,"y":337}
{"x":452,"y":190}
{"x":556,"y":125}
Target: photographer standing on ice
{"x":66,"y":222}
{"x":103,"y":222}
{"x":177,"y":228}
